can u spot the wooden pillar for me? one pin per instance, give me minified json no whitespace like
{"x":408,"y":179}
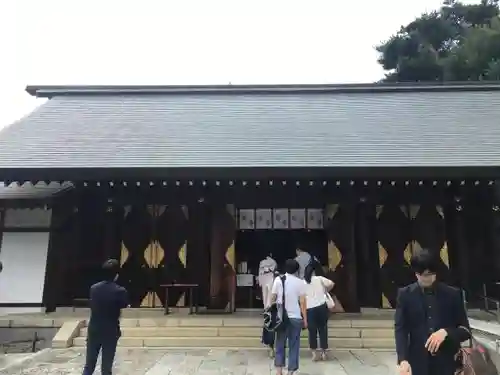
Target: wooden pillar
{"x":494,"y":242}
{"x":459,"y":254}
{"x":54,"y":267}
{"x":351,"y":262}
{"x":63,"y":242}
{"x":112,"y":231}
{"x":222,"y":257}
{"x":483,"y":241}
{"x":198,"y":256}
{"x":368,"y":289}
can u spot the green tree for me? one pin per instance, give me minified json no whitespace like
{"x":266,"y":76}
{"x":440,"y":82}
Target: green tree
{"x":459,"y":42}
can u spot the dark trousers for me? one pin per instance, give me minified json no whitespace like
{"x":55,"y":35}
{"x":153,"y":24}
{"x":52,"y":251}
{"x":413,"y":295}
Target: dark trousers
{"x":96,"y":342}
{"x":317,"y":325}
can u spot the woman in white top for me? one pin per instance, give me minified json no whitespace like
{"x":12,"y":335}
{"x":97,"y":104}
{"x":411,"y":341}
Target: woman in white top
{"x":317,"y":287}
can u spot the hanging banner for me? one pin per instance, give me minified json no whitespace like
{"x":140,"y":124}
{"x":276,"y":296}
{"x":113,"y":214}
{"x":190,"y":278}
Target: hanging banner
{"x":315,"y":218}
{"x":280,"y":218}
{"x":264,"y":218}
{"x":297,"y":218}
{"x":247,"y":219}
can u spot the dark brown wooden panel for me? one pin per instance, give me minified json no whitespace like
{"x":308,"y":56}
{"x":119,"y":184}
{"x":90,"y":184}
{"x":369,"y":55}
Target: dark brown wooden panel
{"x":428,"y":231}
{"x":170,"y":247}
{"x":222,"y":257}
{"x":394,"y":251}
{"x":341,"y":255}
{"x":136,"y":239}
{"x":198,"y":254}
{"x":367,"y":256}
{"x":59,"y":275}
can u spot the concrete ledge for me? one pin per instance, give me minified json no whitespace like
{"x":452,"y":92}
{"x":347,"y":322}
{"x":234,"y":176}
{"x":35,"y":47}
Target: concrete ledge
{"x":230,"y":332}
{"x":381,"y":333}
{"x":372,"y":323}
{"x":237,"y":322}
{"x":30,"y":322}
{"x":238,"y":342}
{"x":69,"y":330}
{"x":491,"y":328}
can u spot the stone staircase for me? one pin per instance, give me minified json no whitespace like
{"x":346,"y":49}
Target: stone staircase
{"x":241,"y":332}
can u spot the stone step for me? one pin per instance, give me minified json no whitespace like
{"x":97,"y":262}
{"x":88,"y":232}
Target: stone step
{"x":238,"y":342}
{"x":208,"y":321}
{"x":240,"y":332}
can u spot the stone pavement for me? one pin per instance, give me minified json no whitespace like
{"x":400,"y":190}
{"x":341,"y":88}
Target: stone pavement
{"x":206,"y":362}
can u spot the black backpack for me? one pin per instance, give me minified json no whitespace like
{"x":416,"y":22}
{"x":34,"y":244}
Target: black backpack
{"x":275,"y":316}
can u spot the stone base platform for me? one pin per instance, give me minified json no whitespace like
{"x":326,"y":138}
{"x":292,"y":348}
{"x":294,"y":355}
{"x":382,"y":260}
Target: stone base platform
{"x":371,"y":329}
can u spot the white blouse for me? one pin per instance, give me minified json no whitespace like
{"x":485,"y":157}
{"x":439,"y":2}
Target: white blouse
{"x":316,"y":291}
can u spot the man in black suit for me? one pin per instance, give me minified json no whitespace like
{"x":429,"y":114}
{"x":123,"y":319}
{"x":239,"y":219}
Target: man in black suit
{"x":107,"y":299}
{"x":430,"y":322}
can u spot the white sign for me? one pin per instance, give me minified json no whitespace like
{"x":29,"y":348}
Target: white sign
{"x":244,"y":279}
{"x":280,"y":216}
{"x":297,"y":218}
{"x":247,"y":219}
{"x":264,"y":218}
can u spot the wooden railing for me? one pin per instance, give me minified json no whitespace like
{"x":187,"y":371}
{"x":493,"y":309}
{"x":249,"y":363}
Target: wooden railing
{"x":489,"y":304}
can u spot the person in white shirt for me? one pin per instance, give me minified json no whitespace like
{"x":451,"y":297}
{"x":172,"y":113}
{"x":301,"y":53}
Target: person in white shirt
{"x":303,"y":258}
{"x":267,"y":267}
{"x":294,"y":298}
{"x":317,"y":288}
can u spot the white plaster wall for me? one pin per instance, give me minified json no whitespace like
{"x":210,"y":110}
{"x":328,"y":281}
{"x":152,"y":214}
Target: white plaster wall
{"x":24,"y":258}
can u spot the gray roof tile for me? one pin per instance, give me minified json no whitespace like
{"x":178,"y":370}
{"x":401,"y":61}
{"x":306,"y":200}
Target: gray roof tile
{"x":250,"y":129}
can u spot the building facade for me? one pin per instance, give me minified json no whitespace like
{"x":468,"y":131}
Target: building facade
{"x":198,"y":184}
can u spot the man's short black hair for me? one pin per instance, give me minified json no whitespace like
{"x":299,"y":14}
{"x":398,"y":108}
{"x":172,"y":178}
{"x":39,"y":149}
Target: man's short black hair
{"x":291,"y":266}
{"x":110,"y":269}
{"x":424,"y":260}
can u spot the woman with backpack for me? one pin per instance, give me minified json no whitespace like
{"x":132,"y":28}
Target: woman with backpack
{"x":318,"y":309}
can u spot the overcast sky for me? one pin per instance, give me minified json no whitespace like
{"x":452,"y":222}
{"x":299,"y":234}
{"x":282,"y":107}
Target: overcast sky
{"x":191,"y":42}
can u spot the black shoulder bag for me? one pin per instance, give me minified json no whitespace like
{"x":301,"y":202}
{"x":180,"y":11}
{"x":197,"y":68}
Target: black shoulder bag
{"x":284,"y":314}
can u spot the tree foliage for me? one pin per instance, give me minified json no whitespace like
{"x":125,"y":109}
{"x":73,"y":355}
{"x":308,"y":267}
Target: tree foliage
{"x":459,"y":42}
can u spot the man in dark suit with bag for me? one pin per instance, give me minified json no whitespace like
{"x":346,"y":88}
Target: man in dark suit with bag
{"x":430,"y":322}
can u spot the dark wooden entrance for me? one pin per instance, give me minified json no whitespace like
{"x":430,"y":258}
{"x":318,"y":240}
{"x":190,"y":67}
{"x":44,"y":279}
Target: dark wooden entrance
{"x":222,"y":257}
{"x":342,"y":267}
{"x":402,"y":230}
{"x":428,"y":231}
{"x":394,"y":249}
{"x":153,"y":252}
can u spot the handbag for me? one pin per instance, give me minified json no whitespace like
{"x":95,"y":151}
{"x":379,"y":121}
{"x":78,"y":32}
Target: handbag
{"x":474,"y":360}
{"x":330,"y":303}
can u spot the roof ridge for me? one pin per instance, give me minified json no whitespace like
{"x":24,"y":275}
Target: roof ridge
{"x":50,"y":91}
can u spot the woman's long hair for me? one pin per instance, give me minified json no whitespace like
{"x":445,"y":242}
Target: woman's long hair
{"x":314,"y":268}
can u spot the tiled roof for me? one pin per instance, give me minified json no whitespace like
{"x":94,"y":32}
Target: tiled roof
{"x":32,"y":191}
{"x":245,"y":128}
